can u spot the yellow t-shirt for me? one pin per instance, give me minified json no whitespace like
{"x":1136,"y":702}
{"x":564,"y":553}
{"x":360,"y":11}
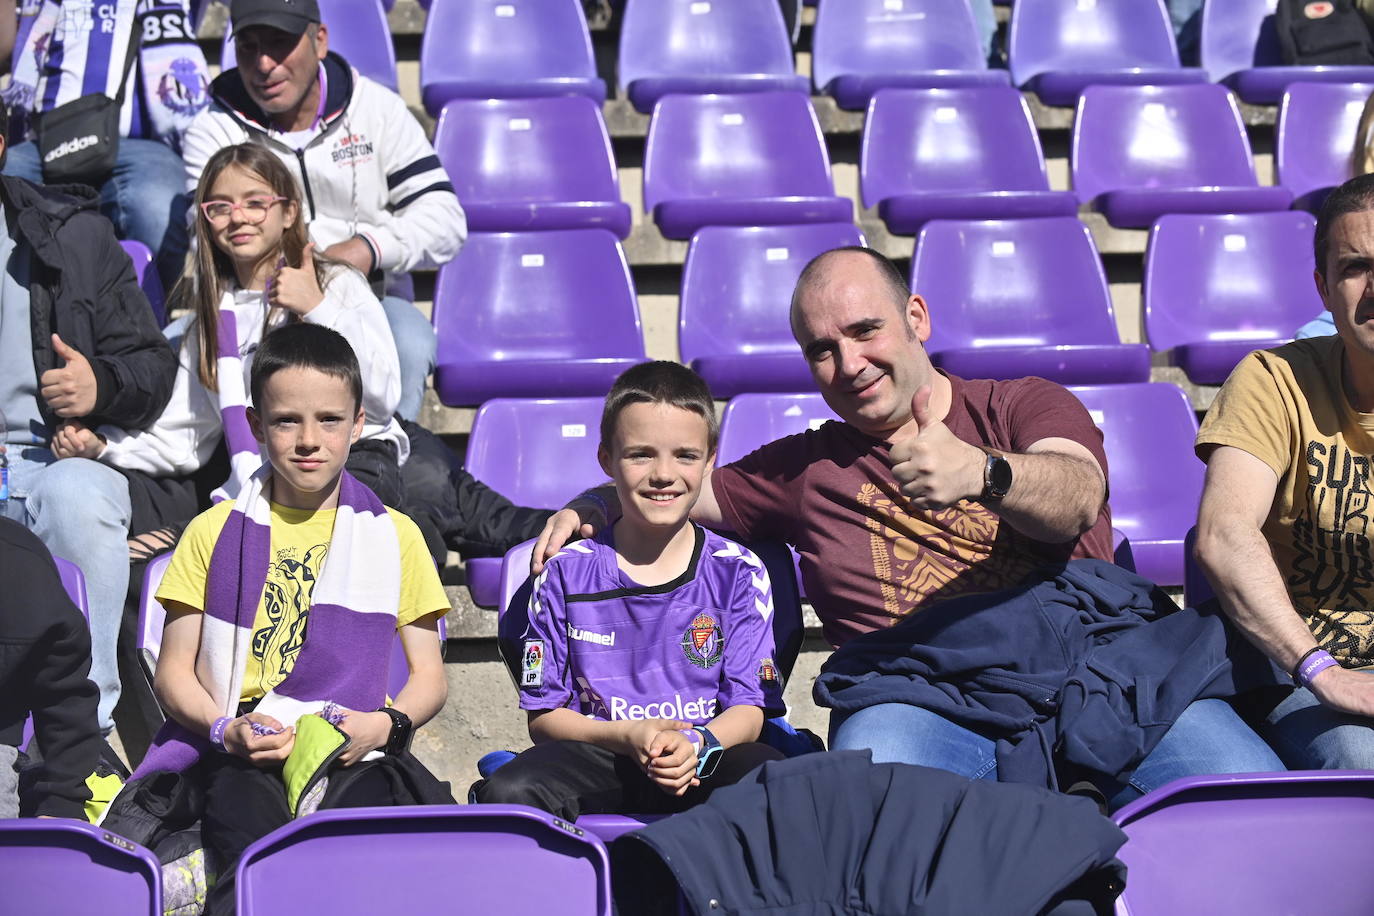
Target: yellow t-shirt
{"x":300,"y":541}
{"x":1287,"y":407}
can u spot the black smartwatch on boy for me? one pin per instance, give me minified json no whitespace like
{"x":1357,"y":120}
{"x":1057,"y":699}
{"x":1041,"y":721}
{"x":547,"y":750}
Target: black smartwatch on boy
{"x":401,"y":730}
{"x":709,"y":753}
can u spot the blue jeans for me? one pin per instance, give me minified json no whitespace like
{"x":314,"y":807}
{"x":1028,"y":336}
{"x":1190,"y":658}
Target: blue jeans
{"x":416,"y":348}
{"x":80,"y":510}
{"x":145,"y":198}
{"x":1310,"y":736}
{"x":985,"y":22}
{"x":1208,"y":738}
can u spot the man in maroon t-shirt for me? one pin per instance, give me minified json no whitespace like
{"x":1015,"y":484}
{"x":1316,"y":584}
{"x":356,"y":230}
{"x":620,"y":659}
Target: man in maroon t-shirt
{"x":933,"y":486}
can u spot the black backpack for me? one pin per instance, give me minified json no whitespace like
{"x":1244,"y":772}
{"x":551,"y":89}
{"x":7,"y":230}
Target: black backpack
{"x":1328,"y":32}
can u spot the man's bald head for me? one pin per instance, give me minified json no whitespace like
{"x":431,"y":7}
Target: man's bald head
{"x":819,"y":270}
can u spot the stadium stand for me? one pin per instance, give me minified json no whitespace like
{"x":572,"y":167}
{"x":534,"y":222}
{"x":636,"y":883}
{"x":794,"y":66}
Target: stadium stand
{"x":1057,"y":47}
{"x":752,"y":420}
{"x":535,"y":163}
{"x":1316,"y":136}
{"x":862,"y":46}
{"x":1010,"y":298}
{"x":534,"y":314}
{"x":733,"y":325}
{"x":357,"y":31}
{"x":1142,"y":151}
{"x":147,"y":279}
{"x":754,"y":159}
{"x":954,"y":154}
{"x":58,"y":865}
{"x":1218,"y":286}
{"x":704,"y":46}
{"x":477,"y":49}
{"x":1240,"y":48}
{"x":1155,"y":478}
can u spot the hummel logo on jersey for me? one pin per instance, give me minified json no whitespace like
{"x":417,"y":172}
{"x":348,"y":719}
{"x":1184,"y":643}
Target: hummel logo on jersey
{"x":74,"y":145}
{"x":601,"y":639}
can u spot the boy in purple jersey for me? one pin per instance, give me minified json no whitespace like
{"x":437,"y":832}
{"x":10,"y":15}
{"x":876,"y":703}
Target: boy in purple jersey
{"x":648,"y":662}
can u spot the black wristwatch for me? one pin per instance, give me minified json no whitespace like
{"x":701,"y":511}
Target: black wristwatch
{"x":401,"y":730}
{"x":996,"y":477}
{"x":708,"y":755}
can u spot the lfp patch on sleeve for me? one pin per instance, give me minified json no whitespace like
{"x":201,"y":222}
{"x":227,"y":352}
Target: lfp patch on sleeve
{"x":532,"y":664}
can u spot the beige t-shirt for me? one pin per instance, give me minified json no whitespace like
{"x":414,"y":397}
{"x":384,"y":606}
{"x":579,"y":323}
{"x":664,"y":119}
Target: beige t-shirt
{"x":1287,"y":407}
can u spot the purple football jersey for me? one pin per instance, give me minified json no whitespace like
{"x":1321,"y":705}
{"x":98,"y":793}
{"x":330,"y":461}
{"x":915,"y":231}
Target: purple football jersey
{"x":612,"y":649}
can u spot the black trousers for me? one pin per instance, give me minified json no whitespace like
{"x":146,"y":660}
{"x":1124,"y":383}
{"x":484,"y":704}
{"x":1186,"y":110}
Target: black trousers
{"x":244,"y":803}
{"x":572,"y":778}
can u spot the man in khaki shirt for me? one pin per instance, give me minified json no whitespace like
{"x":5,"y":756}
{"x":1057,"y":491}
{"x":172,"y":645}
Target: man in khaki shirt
{"x":1284,"y":529}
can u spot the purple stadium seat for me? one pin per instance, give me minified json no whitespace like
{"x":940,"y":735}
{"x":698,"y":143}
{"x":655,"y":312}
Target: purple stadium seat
{"x":358,"y":31}
{"x":74,"y":583}
{"x":1142,"y":151}
{"x":1227,"y":844}
{"x":505,"y":859}
{"x":504,"y":49}
{"x":1316,"y":136}
{"x":1057,"y":47}
{"x":954,"y":154}
{"x":1155,"y":478}
{"x":1217,"y":287}
{"x":1240,"y":47}
{"x":147,"y":279}
{"x":752,"y":420}
{"x":861,"y":46}
{"x":704,"y":46}
{"x":74,"y":868}
{"x":537,"y":163}
{"x":755,"y":159}
{"x":733,"y":325}
{"x":535,"y":453}
{"x":1021,"y":297}
{"x":535,"y":314}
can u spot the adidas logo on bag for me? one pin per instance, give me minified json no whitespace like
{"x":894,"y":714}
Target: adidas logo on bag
{"x":74,"y":145}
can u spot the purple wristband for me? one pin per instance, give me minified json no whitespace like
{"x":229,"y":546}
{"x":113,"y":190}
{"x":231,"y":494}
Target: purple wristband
{"x":217,"y":731}
{"x":694,"y":736}
{"x":1312,"y":664}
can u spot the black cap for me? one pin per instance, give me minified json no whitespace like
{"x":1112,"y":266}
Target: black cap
{"x":290,"y":16}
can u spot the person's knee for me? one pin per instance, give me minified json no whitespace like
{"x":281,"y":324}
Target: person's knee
{"x":79,"y":492}
{"x":509,"y":786}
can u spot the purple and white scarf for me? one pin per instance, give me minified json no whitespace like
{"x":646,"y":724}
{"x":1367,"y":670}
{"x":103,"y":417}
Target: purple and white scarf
{"x":244,"y":457}
{"x":352,"y":617}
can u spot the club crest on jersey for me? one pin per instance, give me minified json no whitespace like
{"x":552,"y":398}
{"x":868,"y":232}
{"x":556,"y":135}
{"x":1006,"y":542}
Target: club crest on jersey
{"x":768,"y":672}
{"x":702,"y":641}
{"x":532,"y":664}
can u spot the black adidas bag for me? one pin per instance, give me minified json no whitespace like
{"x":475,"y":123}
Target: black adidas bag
{"x":1328,"y":32}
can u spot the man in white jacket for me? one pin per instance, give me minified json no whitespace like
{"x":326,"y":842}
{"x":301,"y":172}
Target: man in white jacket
{"x":376,"y":195}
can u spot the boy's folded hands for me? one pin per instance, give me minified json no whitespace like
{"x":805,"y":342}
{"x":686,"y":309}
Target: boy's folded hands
{"x":666,"y":755}
{"x":259,"y":739}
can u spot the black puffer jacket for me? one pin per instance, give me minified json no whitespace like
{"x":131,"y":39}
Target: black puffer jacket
{"x":82,"y":287}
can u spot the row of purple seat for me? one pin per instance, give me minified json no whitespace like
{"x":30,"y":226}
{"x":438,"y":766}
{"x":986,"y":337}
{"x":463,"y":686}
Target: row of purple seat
{"x":759,"y":159}
{"x":520,"y":48}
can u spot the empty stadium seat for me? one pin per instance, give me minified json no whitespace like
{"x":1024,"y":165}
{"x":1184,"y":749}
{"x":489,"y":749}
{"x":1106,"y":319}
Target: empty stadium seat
{"x":704,"y":46}
{"x":59,"y":865}
{"x":358,"y":32}
{"x":504,"y":859}
{"x":734,"y":327}
{"x":1316,"y":137}
{"x":954,"y":154}
{"x":1225,"y":844}
{"x":755,"y":159}
{"x":534,"y":314}
{"x":1240,"y":47}
{"x":1010,"y":298}
{"x":753,"y":420}
{"x":1142,"y":151}
{"x":1058,"y":47}
{"x":537,"y":163}
{"x":861,"y":46}
{"x":502,"y":49}
{"x":1217,"y":287}
{"x":147,"y":279}
{"x":1155,"y":479}
{"x":535,"y":453}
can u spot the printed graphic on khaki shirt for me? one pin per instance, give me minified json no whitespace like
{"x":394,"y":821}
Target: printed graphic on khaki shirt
{"x":286,"y":601}
{"x":1332,"y":576}
{"x":945,"y":553}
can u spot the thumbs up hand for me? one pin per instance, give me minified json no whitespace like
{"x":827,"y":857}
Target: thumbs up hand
{"x":296,"y":289}
{"x":933,"y":467}
{"x":70,"y":390}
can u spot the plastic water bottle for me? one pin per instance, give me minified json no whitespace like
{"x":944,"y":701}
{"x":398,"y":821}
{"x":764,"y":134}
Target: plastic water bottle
{"x":4,"y":463}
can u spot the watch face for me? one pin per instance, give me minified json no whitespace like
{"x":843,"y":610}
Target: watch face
{"x":1000,"y":476}
{"x":708,"y":762}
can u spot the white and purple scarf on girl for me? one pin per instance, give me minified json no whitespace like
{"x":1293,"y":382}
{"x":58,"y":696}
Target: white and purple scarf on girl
{"x":351,"y":625}
{"x":244,"y":457}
